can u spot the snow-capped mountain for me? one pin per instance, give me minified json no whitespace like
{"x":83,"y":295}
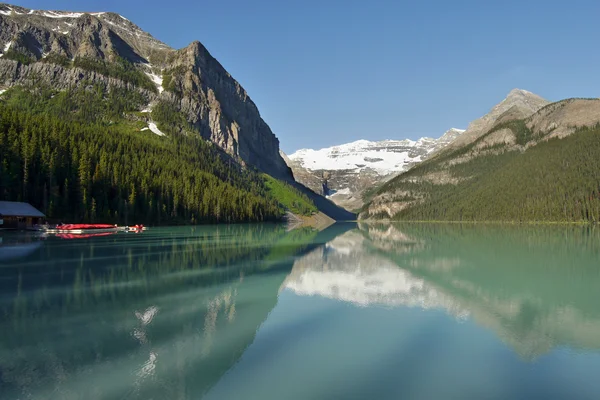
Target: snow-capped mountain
{"x":383,"y":157}
{"x":343,"y":172}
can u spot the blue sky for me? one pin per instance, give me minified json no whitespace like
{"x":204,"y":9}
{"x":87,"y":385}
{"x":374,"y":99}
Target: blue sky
{"x":333,"y":71}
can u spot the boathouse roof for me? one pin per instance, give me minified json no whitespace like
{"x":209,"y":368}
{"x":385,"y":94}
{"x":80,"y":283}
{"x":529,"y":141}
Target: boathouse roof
{"x":18,"y":209}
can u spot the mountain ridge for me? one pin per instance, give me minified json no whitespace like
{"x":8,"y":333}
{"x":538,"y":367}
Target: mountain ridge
{"x":200,"y":87}
{"x":521,"y":102}
{"x":535,"y":162}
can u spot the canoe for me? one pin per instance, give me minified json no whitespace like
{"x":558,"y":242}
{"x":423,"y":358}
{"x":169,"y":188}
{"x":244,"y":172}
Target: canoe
{"x":80,"y":229}
{"x":72,"y":227}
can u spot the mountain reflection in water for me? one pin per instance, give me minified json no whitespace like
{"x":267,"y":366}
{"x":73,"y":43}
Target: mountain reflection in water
{"x":256,"y":311}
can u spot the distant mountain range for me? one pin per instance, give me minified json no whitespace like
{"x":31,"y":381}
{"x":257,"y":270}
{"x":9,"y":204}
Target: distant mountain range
{"x":345,"y":172}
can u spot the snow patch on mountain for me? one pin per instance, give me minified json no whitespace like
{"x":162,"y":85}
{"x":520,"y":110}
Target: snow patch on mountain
{"x":343,"y":173}
{"x":155,"y":129}
{"x":384,"y":157}
{"x":52,"y":14}
{"x":357,"y":156}
{"x":158,"y":81}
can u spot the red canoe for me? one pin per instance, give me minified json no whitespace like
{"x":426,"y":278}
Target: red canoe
{"x":72,"y":227}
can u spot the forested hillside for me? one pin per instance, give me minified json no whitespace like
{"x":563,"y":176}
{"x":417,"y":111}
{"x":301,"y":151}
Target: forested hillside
{"x":86,"y":154}
{"x":555,"y":180}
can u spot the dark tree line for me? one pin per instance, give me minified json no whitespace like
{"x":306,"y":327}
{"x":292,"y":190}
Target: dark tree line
{"x":77,"y":155}
{"x":555,"y":181}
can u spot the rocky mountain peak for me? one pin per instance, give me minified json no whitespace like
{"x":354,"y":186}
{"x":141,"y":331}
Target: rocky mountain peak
{"x":48,"y":47}
{"x":67,"y":29}
{"x":449,"y":136}
{"x":528,"y":100}
{"x":520,"y":92}
{"x":518,"y":104}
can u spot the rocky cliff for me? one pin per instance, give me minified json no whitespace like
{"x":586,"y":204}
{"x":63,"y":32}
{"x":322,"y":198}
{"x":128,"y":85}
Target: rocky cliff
{"x":44,"y":47}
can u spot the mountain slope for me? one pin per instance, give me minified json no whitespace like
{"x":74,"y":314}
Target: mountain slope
{"x":66,"y":49}
{"x":138,"y":130}
{"x":345,"y":172}
{"x":541,"y":168}
{"x":59,"y":153}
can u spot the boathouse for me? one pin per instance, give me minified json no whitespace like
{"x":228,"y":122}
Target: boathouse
{"x":16,"y":215}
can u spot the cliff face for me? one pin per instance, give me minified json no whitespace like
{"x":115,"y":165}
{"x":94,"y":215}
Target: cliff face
{"x":220,"y":107}
{"x":35,"y":44}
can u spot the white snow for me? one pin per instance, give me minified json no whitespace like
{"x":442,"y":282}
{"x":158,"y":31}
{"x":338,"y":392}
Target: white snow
{"x":158,"y":80}
{"x":53,"y":14}
{"x":152,"y":126}
{"x":384,"y":157}
{"x":2,"y":91}
{"x":10,"y":12}
{"x":144,"y":129}
{"x":358,"y":155}
{"x":57,"y":29}
{"x":7,"y":46}
{"x":146,"y":110}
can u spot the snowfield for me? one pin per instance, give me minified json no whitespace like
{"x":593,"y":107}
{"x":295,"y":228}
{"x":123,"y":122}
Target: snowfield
{"x":384,"y":157}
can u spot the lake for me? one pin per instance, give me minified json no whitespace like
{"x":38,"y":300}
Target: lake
{"x":410,"y":311}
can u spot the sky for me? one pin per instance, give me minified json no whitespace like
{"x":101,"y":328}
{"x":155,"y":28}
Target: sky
{"x":328,"y":72}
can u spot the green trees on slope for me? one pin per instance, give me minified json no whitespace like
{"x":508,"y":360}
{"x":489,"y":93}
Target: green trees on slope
{"x":557,"y":180}
{"x":289,"y":197}
{"x":78,"y":155}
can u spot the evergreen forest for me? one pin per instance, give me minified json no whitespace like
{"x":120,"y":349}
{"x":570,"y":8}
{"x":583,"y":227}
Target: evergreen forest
{"x":557,"y":180}
{"x":82,"y":155}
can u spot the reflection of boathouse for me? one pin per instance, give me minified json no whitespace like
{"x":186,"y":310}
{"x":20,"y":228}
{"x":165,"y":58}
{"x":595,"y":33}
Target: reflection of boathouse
{"x":16,"y":215}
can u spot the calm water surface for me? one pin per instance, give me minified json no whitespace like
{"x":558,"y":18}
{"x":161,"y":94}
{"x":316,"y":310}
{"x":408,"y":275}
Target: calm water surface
{"x":259,"y":312}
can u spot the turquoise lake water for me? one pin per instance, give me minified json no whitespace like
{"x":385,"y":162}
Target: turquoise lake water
{"x":408,"y":311}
